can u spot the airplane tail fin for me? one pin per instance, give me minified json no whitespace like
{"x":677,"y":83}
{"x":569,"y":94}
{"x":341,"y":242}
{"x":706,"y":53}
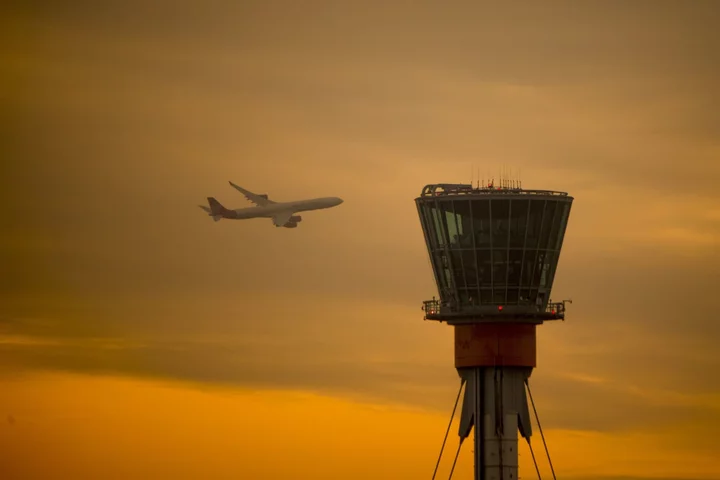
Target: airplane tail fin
{"x":216,"y":210}
{"x":215,"y":207}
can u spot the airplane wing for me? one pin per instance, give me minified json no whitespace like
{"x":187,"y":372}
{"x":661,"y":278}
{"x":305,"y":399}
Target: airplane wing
{"x":281,"y":218}
{"x":259,"y":200}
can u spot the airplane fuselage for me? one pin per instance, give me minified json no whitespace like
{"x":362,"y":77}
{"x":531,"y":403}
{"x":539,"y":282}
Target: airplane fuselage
{"x":268,"y":211}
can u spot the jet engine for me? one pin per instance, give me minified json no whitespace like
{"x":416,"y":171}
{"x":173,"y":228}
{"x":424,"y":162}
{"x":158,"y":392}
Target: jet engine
{"x":263,"y":195}
{"x":293,"y":222}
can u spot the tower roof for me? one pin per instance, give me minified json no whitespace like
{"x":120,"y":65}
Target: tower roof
{"x":458,"y":189}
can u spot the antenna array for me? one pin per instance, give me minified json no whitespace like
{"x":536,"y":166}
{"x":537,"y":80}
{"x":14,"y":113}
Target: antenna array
{"x":508,"y":179}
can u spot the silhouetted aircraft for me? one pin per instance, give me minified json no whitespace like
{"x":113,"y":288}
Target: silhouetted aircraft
{"x":282,"y":213}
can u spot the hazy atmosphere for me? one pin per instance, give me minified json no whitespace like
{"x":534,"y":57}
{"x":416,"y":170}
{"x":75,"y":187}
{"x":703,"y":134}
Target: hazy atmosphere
{"x":140,"y":339}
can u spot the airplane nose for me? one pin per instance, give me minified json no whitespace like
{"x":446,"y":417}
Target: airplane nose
{"x":339,"y":200}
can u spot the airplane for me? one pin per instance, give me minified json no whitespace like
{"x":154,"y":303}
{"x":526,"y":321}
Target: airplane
{"x":282,"y":213}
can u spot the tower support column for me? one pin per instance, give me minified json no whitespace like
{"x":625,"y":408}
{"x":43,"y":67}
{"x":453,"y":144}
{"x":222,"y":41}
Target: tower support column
{"x":494,"y":405}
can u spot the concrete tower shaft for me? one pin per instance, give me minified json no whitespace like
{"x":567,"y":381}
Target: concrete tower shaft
{"x":494,"y":253}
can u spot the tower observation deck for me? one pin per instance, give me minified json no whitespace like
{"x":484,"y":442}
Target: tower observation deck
{"x":494,"y":253}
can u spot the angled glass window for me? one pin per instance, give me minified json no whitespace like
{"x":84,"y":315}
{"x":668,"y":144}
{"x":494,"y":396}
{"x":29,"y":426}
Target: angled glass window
{"x":468,"y":297}
{"x":457,"y":268}
{"x":514,"y":267}
{"x":473,"y":297}
{"x":532,"y":296}
{"x":535,"y":223}
{"x":548,"y":269}
{"x":547,"y":225}
{"x":556,"y":224}
{"x":464,"y":223}
{"x":438,"y":224}
{"x":500,"y":213}
{"x":484,"y":267}
{"x":499,"y":296}
{"x":542,"y":268}
{"x":447,"y":272}
{"x":470,"y":267}
{"x":437,"y":258}
{"x":524,"y":297}
{"x":500,"y":261}
{"x":485,"y":296}
{"x":528,"y":268}
{"x":553,"y":268}
{"x":559,"y":224}
{"x":429,"y":225}
{"x":518,"y":222}
{"x":450,"y":220}
{"x":481,"y":223}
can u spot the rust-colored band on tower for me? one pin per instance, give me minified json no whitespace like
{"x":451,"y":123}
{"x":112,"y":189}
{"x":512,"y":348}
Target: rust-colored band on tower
{"x":495,"y":344}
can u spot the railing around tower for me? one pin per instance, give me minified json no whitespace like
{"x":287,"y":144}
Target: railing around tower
{"x":437,"y":310}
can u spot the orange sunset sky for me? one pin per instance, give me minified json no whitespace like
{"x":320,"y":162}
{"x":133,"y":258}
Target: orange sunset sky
{"x":141,"y":340}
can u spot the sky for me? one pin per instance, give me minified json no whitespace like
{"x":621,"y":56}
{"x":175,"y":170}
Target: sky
{"x":139,"y":339}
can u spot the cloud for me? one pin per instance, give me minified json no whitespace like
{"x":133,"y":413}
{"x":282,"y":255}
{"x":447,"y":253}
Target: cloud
{"x":263,"y":345}
{"x":617,"y":406}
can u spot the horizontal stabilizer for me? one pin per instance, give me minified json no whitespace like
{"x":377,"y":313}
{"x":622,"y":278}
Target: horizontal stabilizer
{"x":218,"y":213}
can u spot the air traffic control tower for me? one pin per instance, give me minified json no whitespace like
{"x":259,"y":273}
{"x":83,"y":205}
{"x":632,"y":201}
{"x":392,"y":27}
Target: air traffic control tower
{"x":494,"y":253}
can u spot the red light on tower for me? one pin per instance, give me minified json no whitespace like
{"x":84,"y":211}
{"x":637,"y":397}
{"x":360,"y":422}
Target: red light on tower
{"x":500,"y":307}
